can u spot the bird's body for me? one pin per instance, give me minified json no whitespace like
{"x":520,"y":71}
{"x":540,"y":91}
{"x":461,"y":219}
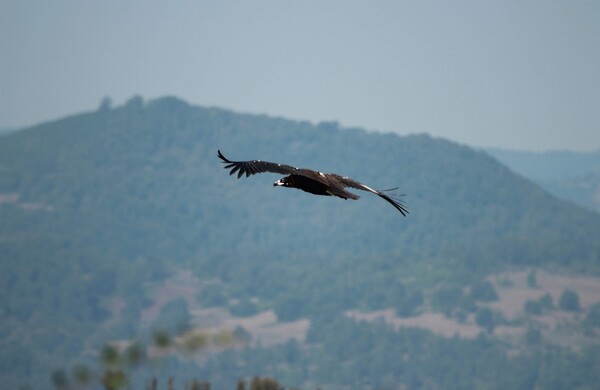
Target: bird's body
{"x":314,"y":182}
{"x":317,"y":183}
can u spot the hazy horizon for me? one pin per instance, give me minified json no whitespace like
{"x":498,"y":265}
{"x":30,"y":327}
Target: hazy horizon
{"x":511,"y":75}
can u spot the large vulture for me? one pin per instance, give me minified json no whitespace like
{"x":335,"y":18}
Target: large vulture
{"x":318,"y":183}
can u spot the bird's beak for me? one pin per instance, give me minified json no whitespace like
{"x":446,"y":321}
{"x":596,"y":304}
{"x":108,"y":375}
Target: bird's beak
{"x":278,"y":183}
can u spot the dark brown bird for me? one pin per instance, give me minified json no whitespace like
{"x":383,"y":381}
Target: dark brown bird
{"x":318,"y":183}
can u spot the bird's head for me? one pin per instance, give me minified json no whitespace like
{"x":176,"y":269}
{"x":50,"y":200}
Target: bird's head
{"x":283,"y":182}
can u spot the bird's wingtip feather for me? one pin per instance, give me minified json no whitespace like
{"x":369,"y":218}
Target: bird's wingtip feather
{"x":222,"y":157}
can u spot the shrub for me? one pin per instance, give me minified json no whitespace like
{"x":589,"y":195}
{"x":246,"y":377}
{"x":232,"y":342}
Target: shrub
{"x":533,"y":307}
{"x":569,"y":301}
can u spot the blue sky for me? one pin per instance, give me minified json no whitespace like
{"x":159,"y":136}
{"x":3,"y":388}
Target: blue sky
{"x":513,"y":74}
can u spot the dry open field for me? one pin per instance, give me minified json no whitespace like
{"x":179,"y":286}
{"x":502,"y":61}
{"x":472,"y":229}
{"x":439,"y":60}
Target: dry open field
{"x":557,"y":326}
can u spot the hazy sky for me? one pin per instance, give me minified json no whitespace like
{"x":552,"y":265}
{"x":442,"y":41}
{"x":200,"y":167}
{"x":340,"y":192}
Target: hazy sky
{"x":516,"y":74}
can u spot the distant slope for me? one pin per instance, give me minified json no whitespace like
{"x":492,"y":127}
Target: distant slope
{"x":551,"y":165}
{"x":569,"y":175}
{"x":6,"y":130}
{"x":101,"y":204}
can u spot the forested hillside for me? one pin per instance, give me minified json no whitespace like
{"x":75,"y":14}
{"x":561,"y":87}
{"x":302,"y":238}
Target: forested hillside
{"x":99,"y":208}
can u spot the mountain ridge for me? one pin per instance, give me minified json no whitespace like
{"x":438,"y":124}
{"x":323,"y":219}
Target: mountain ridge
{"x":414,"y":177}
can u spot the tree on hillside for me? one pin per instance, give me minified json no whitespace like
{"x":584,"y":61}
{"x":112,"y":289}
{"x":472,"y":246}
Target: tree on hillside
{"x":546,"y":302}
{"x":484,"y":291}
{"x":569,"y":301}
{"x":532,"y":279}
{"x":533,"y":307}
{"x":485,"y":319}
{"x":593,"y":317}
{"x":533,"y":336}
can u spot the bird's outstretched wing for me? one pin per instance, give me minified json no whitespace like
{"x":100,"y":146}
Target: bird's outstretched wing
{"x":344,"y":181}
{"x":255,"y":166}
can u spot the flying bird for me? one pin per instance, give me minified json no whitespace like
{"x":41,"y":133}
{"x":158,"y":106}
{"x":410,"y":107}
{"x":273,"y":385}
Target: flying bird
{"x":314,"y":182}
